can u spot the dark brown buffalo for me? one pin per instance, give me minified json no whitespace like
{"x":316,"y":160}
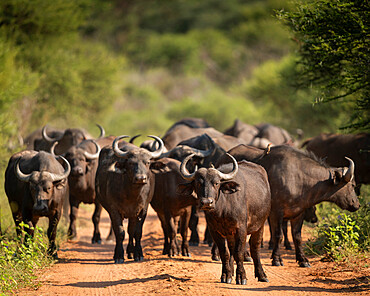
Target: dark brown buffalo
{"x":298,"y":181}
{"x":236,"y":204}
{"x":83,"y":159}
{"x":36,"y":185}
{"x":124,"y":186}
{"x":242,"y":130}
{"x":36,"y":135}
{"x":335,"y":147}
{"x":274,"y":134}
{"x":170,"y":206}
{"x":68,"y":138}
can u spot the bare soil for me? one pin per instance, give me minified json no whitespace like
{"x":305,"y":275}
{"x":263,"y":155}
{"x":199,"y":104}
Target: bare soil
{"x":86,"y":269}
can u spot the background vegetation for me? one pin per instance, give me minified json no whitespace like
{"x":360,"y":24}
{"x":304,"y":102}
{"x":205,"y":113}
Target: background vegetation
{"x":138,"y":66}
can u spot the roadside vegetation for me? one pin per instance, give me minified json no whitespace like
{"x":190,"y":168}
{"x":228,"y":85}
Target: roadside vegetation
{"x":138,"y":66}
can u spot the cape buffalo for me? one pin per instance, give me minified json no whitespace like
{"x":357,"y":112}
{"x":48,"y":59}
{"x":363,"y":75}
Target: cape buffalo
{"x":334,"y":147}
{"x":169,"y":205}
{"x":66,"y":139}
{"x":124,"y":186}
{"x":298,"y":181}
{"x":236,"y":204}
{"x":242,"y":130}
{"x":36,"y":185}
{"x":84,"y":163}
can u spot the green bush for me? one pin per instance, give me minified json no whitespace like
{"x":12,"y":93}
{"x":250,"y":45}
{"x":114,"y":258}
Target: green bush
{"x":19,"y":260}
{"x":341,"y":234}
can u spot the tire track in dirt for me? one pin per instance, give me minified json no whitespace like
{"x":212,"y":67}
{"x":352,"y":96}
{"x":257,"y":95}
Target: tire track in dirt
{"x":86,"y":269}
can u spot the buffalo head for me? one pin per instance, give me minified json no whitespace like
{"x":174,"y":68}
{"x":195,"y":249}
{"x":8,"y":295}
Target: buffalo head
{"x":208,"y":182}
{"x":133,"y":161}
{"x":43,"y":186}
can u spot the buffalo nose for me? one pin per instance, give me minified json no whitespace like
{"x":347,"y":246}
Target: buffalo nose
{"x":40,"y":207}
{"x":140,"y":179}
{"x":206,"y":202}
{"x":77,"y":171}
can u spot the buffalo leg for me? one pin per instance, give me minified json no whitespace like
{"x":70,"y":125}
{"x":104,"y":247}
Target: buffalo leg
{"x":285,"y":235}
{"x":119,"y":233}
{"x":193,"y":225}
{"x":172,"y":231}
{"x":297,"y":239}
{"x":276,"y":220}
{"x":237,"y":248}
{"x":110,"y":236}
{"x":96,"y":219}
{"x":227,"y":271}
{"x":52,"y":232}
{"x":255,"y":246}
{"x":74,"y":204}
{"x":184,"y":223}
{"x":135,"y":231}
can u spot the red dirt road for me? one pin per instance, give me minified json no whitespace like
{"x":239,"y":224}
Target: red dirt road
{"x":86,"y":269}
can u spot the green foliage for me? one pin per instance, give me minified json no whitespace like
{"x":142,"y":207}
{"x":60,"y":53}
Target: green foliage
{"x":341,"y":234}
{"x":333,"y":46}
{"x":271,"y":88}
{"x":19,"y":260}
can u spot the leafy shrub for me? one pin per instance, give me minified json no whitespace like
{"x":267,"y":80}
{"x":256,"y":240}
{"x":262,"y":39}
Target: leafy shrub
{"x":20,"y":259}
{"x":340,"y":234}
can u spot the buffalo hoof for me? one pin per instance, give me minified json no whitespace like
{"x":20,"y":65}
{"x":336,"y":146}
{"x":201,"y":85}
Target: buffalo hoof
{"x":277,"y":263}
{"x":248,"y":259}
{"x":215,"y":258}
{"x":119,"y":261}
{"x":137,"y":259}
{"x":93,"y":241}
{"x":242,"y":282}
{"x":288,"y":247}
{"x":130,"y":256}
{"x":304,"y":264}
{"x":194,"y":244}
{"x":263,"y":279}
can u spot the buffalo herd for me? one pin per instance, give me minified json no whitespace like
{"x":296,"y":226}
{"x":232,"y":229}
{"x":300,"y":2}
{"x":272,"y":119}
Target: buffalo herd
{"x":241,"y":179}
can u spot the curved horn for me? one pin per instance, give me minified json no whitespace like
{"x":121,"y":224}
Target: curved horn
{"x":184,"y":171}
{"x":232,"y":174}
{"x":118,"y":152}
{"x":53,"y":147}
{"x":96,"y":154}
{"x":46,"y":137}
{"x":133,"y":138}
{"x":350,"y":172}
{"x":20,"y":175}
{"x":102,"y":131}
{"x":58,"y":177}
{"x":159,"y":151}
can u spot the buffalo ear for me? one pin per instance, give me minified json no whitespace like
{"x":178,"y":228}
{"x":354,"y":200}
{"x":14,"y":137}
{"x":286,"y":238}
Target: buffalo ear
{"x":229,"y":187}
{"x":159,"y":167}
{"x":337,"y":176}
{"x":60,"y":184}
{"x":185,"y":189}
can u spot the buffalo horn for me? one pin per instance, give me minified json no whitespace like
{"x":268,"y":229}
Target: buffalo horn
{"x":184,"y":171}
{"x":118,"y":152}
{"x":46,"y":137}
{"x":232,"y":174}
{"x":96,"y":154}
{"x":58,"y":177}
{"x":52,"y":148}
{"x":21,"y":176}
{"x":348,"y":176}
{"x":133,"y":138}
{"x":102,"y":131}
{"x":159,"y":151}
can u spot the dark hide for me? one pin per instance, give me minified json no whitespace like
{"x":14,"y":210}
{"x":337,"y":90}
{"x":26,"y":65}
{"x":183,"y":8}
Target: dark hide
{"x":82,"y":183}
{"x":234,"y":209}
{"x":40,"y":196}
{"x":241,"y":130}
{"x":170,"y":206}
{"x":298,"y":182}
{"x":125,"y":187}
{"x":334,"y":147}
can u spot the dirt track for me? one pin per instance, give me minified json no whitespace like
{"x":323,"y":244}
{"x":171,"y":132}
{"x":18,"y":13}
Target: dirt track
{"x":86,"y":269}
